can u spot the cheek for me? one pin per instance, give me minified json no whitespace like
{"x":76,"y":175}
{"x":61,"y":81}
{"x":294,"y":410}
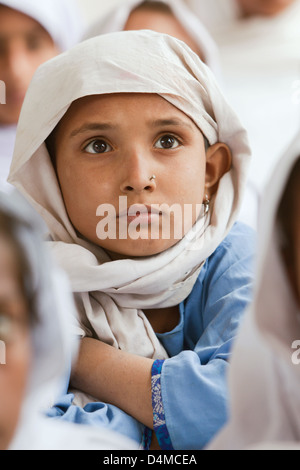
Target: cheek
{"x":85,"y":181}
{"x":189,"y":181}
{"x":186,"y":189}
{"x":83,"y":192}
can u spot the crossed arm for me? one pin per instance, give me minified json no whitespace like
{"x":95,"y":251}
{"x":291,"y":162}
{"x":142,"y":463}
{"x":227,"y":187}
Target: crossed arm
{"x":115,"y":377}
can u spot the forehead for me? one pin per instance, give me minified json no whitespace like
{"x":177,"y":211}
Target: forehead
{"x":117,"y":106}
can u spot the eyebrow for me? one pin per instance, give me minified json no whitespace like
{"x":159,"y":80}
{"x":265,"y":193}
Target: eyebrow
{"x":96,"y":126}
{"x":171,"y":122}
{"x":92,"y":126}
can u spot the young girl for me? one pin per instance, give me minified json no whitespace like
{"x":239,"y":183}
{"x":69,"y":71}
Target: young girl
{"x":264,"y":393}
{"x":35,"y":305}
{"x":137,"y":132}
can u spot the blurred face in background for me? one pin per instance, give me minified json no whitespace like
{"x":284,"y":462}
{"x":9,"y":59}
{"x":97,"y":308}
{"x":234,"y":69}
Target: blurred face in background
{"x":15,"y":342}
{"x":24,"y":45}
{"x":296,"y":231}
{"x":159,"y":18}
{"x":289,"y":222}
{"x":264,"y":7}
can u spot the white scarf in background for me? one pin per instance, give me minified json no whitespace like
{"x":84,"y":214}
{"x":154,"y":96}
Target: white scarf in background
{"x":216,"y":15}
{"x":115,"y":20}
{"x":111,"y":295}
{"x":62,"y":21}
{"x":60,"y":18}
{"x":264,"y":380}
{"x":53,"y":346}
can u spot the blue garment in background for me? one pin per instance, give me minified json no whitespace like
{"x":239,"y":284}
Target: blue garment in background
{"x":193,"y":381}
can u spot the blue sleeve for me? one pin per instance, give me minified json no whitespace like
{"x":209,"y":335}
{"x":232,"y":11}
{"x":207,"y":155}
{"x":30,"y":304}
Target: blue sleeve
{"x":97,"y":414}
{"x":194,"y":394}
{"x":159,"y":418}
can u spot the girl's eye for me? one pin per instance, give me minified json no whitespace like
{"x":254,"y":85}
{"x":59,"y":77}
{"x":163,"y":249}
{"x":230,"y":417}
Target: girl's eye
{"x":97,"y":147}
{"x":167,"y":142}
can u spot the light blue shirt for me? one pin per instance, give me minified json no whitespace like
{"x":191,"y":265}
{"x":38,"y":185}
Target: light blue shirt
{"x":193,"y":382}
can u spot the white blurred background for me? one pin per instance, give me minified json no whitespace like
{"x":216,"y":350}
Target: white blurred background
{"x":93,"y":9}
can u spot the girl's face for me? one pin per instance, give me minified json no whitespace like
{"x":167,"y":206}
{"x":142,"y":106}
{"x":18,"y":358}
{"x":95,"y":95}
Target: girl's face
{"x":24,"y":45}
{"x":136,"y":148}
{"x":15,"y":346}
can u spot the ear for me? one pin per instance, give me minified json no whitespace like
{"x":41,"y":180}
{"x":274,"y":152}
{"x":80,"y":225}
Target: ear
{"x":218,"y":162}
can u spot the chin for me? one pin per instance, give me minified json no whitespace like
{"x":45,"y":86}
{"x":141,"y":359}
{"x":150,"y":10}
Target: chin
{"x":138,"y":248}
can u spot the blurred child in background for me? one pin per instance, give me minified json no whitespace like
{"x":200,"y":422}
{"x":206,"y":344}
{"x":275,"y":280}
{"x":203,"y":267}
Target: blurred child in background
{"x":35,"y":309}
{"x":171,"y":17}
{"x":265,"y":374}
{"x":31,"y":32}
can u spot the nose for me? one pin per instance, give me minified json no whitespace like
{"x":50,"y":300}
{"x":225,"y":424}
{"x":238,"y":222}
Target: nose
{"x":138,"y":174}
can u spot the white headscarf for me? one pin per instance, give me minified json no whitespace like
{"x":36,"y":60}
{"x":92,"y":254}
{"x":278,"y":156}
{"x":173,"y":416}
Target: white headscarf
{"x":115,"y":20}
{"x":54,"y":347}
{"x":60,"y":18}
{"x":264,"y":382}
{"x":111,"y":295}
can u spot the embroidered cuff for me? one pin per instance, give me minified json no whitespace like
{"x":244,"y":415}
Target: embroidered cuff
{"x":159,"y":419}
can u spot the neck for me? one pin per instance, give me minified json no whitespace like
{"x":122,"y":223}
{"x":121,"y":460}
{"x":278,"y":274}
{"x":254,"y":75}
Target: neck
{"x":163,"y":320}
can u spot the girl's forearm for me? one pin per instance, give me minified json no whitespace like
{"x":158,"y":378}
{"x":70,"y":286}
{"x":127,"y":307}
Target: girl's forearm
{"x":115,"y":377}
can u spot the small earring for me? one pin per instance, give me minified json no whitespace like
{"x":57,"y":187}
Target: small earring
{"x":152,"y":178}
{"x":206,"y":204}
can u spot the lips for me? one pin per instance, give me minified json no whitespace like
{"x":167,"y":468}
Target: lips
{"x":137,"y":210}
{"x":144,"y":213}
